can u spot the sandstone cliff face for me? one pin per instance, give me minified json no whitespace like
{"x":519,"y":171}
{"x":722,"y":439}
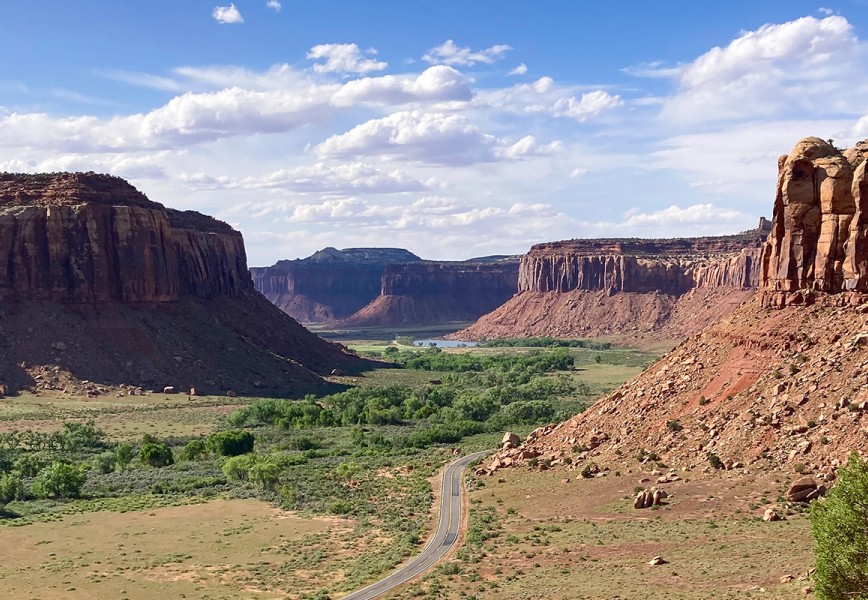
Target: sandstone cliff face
{"x":667,"y":266}
{"x":646,"y":291}
{"x":819,"y":224}
{"x":438,"y":292}
{"x":127,"y":292}
{"x":58,"y":244}
{"x":328,"y":285}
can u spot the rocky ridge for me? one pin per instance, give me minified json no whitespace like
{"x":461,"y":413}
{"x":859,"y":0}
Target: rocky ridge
{"x":104,"y":285}
{"x":760,"y":388}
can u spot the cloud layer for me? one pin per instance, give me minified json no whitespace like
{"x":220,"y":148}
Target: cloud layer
{"x":454,"y":153}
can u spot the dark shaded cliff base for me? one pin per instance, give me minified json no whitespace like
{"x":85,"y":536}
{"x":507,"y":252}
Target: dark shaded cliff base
{"x":239,"y":343}
{"x":100,"y":286}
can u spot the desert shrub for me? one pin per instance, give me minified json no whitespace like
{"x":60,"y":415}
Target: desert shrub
{"x":194,"y":450}
{"x":11,"y":487}
{"x":265,"y":473}
{"x":103,"y":462}
{"x":30,"y":464}
{"x":303,"y":443}
{"x":238,"y":467}
{"x":156,"y":454}
{"x":674,"y":425}
{"x":840,"y":527}
{"x":231,"y":443}
{"x":124,"y":454}
{"x":78,"y":437}
{"x":714,"y":461}
{"x":59,"y":480}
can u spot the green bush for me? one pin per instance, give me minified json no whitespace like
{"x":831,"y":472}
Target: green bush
{"x":231,"y":443}
{"x":714,"y":460}
{"x":31,"y":463}
{"x":194,"y":450}
{"x":59,"y":480}
{"x":238,"y":467}
{"x":104,"y":462}
{"x":840,"y":527}
{"x":11,"y":487}
{"x":265,"y":473}
{"x":156,"y":454}
{"x":124,"y":454}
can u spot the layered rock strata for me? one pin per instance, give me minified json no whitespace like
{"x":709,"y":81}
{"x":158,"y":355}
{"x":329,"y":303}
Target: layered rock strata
{"x":104,"y":285}
{"x":86,"y":238}
{"x":439,"y":292}
{"x":330,"y":284}
{"x":646,"y":288}
{"x":819,"y":226}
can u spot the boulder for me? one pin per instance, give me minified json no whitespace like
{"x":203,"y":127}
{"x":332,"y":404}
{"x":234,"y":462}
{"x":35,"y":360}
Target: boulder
{"x":803,"y":489}
{"x":770,"y":515}
{"x":510,"y":440}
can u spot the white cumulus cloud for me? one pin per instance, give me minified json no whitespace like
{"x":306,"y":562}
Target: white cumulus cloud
{"x":589,"y":105}
{"x":428,"y":138}
{"x":805,"y":65}
{"x":519,"y":70}
{"x":448,"y":53}
{"x":343,"y":58}
{"x":274,"y":5}
{"x":227,"y":15}
{"x":435,"y":84}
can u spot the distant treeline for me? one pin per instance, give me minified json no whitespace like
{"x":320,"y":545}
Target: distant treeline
{"x":544,"y":342}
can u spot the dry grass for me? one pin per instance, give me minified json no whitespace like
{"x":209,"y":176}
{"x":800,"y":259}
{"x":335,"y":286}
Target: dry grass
{"x":225,"y":548}
{"x":583,"y":539}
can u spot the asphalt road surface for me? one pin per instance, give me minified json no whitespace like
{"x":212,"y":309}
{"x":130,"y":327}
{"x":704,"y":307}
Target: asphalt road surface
{"x":437,"y":546}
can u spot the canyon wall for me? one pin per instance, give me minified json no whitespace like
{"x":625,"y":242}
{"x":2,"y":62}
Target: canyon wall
{"x":87,"y":238}
{"x":642,"y":266}
{"x":328,"y":285}
{"x":646,"y":290}
{"x":100,"y":284}
{"x":438,"y":292}
{"x":819,"y":226}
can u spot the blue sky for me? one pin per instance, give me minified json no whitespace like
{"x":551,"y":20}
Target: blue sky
{"x":453,"y":129}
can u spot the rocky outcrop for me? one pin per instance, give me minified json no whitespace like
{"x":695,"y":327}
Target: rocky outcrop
{"x":645,"y":290}
{"x":330,"y":284}
{"x":125,"y":291}
{"x":58,"y":245}
{"x":819,"y":225}
{"x":439,"y":292}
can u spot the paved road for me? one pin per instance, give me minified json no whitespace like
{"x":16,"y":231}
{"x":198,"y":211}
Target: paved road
{"x":437,"y":546}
